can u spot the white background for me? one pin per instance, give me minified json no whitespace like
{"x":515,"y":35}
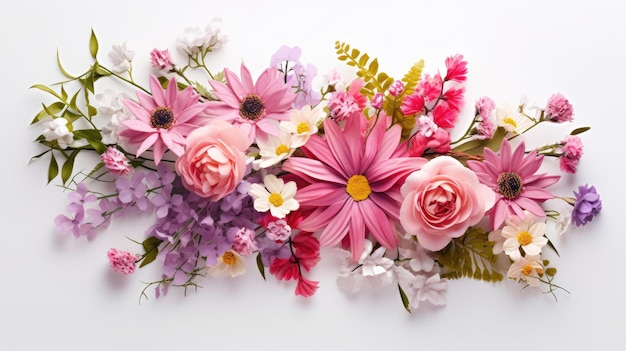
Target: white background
{"x":58,"y":292}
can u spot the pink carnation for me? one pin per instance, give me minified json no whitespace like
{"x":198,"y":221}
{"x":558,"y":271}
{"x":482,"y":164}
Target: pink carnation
{"x":122,"y":261}
{"x":396,"y":88}
{"x":115,"y":161}
{"x":161,"y":59}
{"x":559,"y":109}
{"x":484,"y":107}
{"x":441,"y":201}
{"x":572,"y":147}
{"x":485,"y":129}
{"x":243,"y":243}
{"x":214,"y":160}
{"x":343,"y":105}
{"x":377,"y":101}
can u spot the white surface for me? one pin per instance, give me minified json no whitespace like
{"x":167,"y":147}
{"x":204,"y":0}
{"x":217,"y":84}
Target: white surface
{"x":57,"y":292}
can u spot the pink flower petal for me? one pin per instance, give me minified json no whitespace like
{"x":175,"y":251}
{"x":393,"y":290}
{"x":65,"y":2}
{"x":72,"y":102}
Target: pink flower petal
{"x":378,"y":224}
{"x":338,"y":225}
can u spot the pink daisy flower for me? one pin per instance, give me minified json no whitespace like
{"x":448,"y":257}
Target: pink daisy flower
{"x":512,"y":176}
{"x":163,"y":119}
{"x":256,"y":108}
{"x":352,"y":183}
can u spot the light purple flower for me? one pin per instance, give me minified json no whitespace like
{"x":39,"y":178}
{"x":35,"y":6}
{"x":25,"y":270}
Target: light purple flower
{"x":586,"y":206}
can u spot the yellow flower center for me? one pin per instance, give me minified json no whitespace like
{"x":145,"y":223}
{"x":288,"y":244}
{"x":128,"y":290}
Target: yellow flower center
{"x":358,"y":187}
{"x":524,"y":238}
{"x":281,"y":149}
{"x":510,"y":121}
{"x":303,"y":128}
{"x":276,"y":199}
{"x":527,"y":270}
{"x":229,"y":258}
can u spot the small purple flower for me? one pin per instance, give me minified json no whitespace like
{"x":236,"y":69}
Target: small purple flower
{"x":587,"y":205}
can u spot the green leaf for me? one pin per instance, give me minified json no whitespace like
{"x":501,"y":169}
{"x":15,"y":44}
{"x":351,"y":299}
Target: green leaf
{"x":65,"y":73}
{"x":405,"y":299}
{"x":89,"y":134}
{"x":260,"y":266}
{"x":579,"y":130}
{"x":97,"y":145}
{"x":363,"y":60}
{"x":51,"y":110}
{"x":53,"y":169}
{"x":551,"y":245}
{"x":151,"y":247}
{"x":373,"y":68}
{"x":68,"y":166}
{"x":47,"y":90}
{"x":93,"y":44}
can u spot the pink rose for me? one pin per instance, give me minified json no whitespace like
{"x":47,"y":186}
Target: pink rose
{"x":441,"y":201}
{"x":214,"y":162}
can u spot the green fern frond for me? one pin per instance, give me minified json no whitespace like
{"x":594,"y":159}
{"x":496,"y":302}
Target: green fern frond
{"x":412,"y":77}
{"x":470,"y":256}
{"x":367,"y":69}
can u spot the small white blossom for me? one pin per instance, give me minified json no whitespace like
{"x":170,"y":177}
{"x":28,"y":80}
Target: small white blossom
{"x":121,"y":57}
{"x":564,"y":220}
{"x":192,"y":40}
{"x":275,"y":196}
{"x":217,"y":38}
{"x":527,"y":268}
{"x":111,"y":109}
{"x":302,"y":124}
{"x":230,"y":262}
{"x":427,"y":126}
{"x":274,"y":149}
{"x":57,"y":130}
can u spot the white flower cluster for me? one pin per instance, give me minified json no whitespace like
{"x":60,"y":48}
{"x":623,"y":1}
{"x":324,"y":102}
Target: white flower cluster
{"x":414,"y":271}
{"x":57,"y":130}
{"x":194,"y":39}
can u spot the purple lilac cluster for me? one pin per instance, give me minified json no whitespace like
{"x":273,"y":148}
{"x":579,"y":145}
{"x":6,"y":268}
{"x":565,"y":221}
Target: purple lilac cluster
{"x":196,"y":231}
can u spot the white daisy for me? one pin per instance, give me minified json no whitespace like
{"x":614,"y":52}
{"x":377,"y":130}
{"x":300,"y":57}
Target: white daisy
{"x":528,"y":269}
{"x":276,"y":196}
{"x":527,"y":233}
{"x":302,"y":124}
{"x":230,"y":262}
{"x":510,"y":118}
{"x":274,"y":149}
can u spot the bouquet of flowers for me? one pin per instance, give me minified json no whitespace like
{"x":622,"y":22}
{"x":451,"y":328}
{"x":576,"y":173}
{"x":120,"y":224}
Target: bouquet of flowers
{"x":234,"y":169}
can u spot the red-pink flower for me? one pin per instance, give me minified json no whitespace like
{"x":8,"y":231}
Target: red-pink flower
{"x":352,"y":183}
{"x":457,"y":68}
{"x":572,"y":147}
{"x":441,"y":201}
{"x":412,"y":104}
{"x":256,"y":108}
{"x":430,"y":87}
{"x":454,"y":98}
{"x":512,"y":175}
{"x":444,"y":116}
{"x":163,"y":119}
{"x":439,"y":142}
{"x":214,"y":160}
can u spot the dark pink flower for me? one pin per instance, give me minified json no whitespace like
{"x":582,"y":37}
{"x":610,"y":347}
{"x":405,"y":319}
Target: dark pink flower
{"x":454,"y":98}
{"x":412,"y":104}
{"x":512,"y":175}
{"x":444,"y":116}
{"x":439,"y":142}
{"x":347,"y":104}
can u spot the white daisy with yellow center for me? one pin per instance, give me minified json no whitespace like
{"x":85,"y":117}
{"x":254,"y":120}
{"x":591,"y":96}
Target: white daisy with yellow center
{"x":275,"y":196}
{"x":511,"y":119}
{"x":230,"y":262}
{"x":523,"y":234}
{"x":528,"y":269}
{"x":274,"y":149}
{"x":302,"y":124}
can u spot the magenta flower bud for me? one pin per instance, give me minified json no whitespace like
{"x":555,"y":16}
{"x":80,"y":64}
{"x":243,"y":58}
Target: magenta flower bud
{"x":396,"y":88}
{"x":377,"y":101}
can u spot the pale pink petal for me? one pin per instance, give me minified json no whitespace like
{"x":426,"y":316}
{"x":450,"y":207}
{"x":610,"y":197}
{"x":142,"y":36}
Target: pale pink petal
{"x":170,"y":93}
{"x":226,"y":96}
{"x":235,"y":86}
{"x":134,"y":126}
{"x":147,"y":143}
{"x":157,"y":91}
{"x":138,"y":111}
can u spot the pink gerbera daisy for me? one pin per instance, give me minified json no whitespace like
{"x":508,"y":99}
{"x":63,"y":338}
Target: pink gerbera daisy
{"x":352,"y":183}
{"x":163,"y":119}
{"x":256,"y":108}
{"x":512,"y":176}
